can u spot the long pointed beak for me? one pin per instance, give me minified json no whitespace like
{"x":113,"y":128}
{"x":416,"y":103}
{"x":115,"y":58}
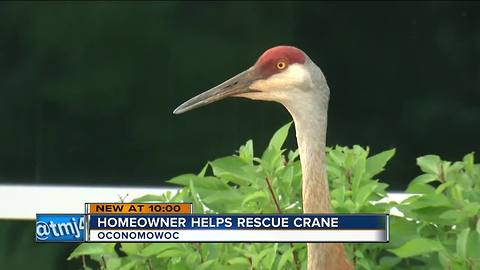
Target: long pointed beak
{"x":233,"y":86}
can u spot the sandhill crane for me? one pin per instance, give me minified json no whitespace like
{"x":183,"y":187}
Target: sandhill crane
{"x":288,"y":76}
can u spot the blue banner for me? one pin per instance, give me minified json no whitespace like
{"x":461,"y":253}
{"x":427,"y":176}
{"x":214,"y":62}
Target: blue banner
{"x":60,"y":228}
{"x":241,"y":222}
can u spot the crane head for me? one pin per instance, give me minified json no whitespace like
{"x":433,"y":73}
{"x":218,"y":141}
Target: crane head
{"x":279,"y":74}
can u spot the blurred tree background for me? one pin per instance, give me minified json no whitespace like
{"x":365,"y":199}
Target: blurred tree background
{"x":87,"y":89}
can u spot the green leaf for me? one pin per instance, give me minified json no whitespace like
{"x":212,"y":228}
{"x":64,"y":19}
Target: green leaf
{"x":338,"y":194}
{"x":285,"y":181}
{"x":157,"y":248}
{"x":364,"y":263}
{"x":270,"y":257}
{"x":208,"y":182}
{"x":358,"y":254}
{"x":417,"y":247}
{"x":192,"y":258}
{"x":278,"y":139}
{"x":272,"y":159}
{"x":223,"y":201}
{"x":198,"y":206}
{"x":234,"y":169}
{"x":364,"y":193}
{"x":376,"y":163}
{"x":149,"y":198}
{"x":388,"y":262}
{"x":172,"y":253}
{"x":238,"y":261}
{"x":442,"y":187}
{"x":462,"y":239}
{"x":431,"y":200}
{"x":420,"y":188}
{"x":92,"y":248}
{"x":429,"y":164}
{"x":257,"y":259}
{"x":246,"y":152}
{"x":460,"y":215}
{"x":259,"y":195}
{"x":113,"y":262}
{"x":420,"y":184}
{"x":206,"y":265}
{"x":424,"y":179}
{"x":336,"y":156}
{"x":445,"y":259}
{"x":128,"y":266}
{"x":468,"y":162}
{"x":293,"y":155}
{"x":203,"y":171}
{"x":287,"y":256}
{"x":473,"y":245}
{"x":132,"y":248}
{"x":183,"y":179}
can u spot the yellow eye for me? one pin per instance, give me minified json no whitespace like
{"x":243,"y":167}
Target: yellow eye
{"x":281,"y":65}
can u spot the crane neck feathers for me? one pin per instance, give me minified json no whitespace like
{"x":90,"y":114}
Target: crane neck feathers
{"x":309,"y":113}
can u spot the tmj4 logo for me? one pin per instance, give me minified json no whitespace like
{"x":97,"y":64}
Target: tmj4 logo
{"x":60,"y":228}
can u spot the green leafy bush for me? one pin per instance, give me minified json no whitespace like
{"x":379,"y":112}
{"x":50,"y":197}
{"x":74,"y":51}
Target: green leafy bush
{"x":440,"y":227}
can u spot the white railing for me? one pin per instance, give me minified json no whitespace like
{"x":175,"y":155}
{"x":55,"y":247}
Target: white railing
{"x":25,"y":201}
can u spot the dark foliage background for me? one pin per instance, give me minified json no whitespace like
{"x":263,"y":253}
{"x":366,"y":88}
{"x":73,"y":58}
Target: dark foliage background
{"x":87,"y":90}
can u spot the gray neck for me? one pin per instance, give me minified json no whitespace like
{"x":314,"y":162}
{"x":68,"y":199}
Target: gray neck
{"x":309,"y":112}
{"x":308,"y":106}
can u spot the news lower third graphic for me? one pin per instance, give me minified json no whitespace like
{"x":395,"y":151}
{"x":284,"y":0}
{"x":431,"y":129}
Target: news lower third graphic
{"x":174,"y":222}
